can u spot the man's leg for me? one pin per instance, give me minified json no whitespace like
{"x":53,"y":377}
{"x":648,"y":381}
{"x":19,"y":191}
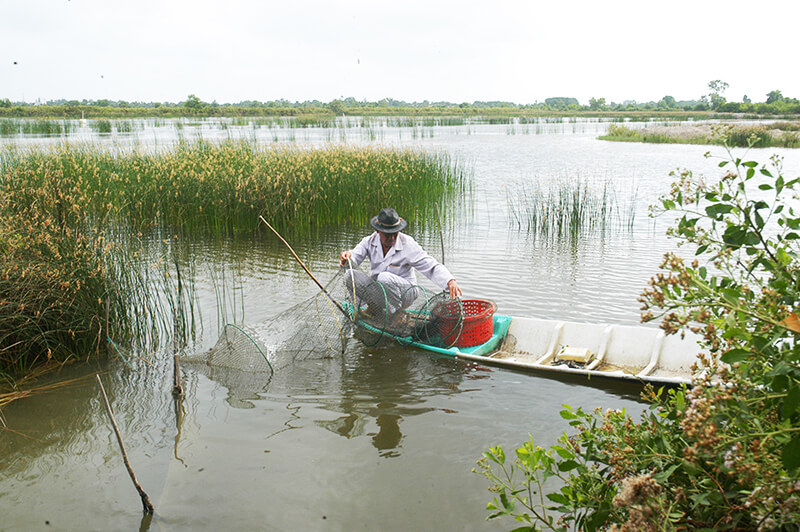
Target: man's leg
{"x":366,"y":291}
{"x":400,"y":293}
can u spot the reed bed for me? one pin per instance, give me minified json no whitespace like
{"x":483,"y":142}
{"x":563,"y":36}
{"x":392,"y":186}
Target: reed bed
{"x":779,"y":134}
{"x":101,"y":126}
{"x":87,"y":234}
{"x":568,"y":209}
{"x":10,"y":127}
{"x":69,"y":280}
{"x":223,"y":187}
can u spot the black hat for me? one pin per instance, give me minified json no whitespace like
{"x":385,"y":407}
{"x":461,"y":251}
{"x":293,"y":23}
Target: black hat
{"x":388,"y":221}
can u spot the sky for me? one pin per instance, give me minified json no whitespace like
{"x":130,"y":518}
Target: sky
{"x":412,"y":50}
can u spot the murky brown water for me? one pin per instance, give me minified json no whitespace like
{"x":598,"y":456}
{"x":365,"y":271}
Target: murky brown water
{"x":382,"y":438}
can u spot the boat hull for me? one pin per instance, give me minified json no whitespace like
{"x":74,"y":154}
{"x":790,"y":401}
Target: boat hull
{"x":629,"y":353}
{"x":632,"y":353}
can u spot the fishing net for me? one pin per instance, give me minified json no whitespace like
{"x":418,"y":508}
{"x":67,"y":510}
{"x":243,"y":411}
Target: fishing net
{"x":350,"y":305}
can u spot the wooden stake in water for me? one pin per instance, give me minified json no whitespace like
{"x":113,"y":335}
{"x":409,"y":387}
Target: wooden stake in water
{"x":147,"y":506}
{"x":177,"y":389}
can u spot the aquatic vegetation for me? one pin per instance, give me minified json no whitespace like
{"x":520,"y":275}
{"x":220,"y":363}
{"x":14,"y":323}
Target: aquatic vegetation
{"x":124,"y":126}
{"x":101,"y":126}
{"x":43,"y":127}
{"x":86,"y":233}
{"x":779,"y":134}
{"x":70,"y":279}
{"x":568,"y":208}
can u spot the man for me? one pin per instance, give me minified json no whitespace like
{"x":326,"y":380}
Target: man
{"x":393,"y":257}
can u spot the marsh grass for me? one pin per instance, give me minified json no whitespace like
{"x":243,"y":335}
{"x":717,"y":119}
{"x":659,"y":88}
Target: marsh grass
{"x":63,"y":267}
{"x":82,"y":228}
{"x":779,"y":134}
{"x":126,"y":126}
{"x":42,"y":127}
{"x":569,"y":209}
{"x":101,"y":126}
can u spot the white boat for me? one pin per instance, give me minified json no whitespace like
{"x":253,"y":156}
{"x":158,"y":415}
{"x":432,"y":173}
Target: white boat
{"x":635,"y":353}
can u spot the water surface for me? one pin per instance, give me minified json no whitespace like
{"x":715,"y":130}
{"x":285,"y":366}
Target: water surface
{"x":380,"y":438}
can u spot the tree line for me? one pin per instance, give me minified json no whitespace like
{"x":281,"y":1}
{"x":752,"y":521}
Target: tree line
{"x":775,"y":103}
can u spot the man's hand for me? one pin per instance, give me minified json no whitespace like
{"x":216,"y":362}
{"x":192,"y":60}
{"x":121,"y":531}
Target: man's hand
{"x":454,"y":289}
{"x":344,"y":258}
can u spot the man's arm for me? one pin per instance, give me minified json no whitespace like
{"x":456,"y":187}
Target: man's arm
{"x":434,"y":270}
{"x":357,"y":254}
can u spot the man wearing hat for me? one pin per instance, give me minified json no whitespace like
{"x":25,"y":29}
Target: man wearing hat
{"x":393,"y":257}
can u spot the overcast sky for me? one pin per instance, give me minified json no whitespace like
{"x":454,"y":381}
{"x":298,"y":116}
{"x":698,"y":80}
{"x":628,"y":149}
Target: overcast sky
{"x":413,"y":50}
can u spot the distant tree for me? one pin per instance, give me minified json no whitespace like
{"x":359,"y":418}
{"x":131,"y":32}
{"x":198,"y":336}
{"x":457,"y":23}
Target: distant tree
{"x":667,"y":102}
{"x":731,"y":107}
{"x":5,"y":102}
{"x":193,"y":102}
{"x":774,"y":96}
{"x":745,"y":99}
{"x":560,"y":102}
{"x":336,"y":107}
{"x":596,"y":104}
{"x":717,"y":88}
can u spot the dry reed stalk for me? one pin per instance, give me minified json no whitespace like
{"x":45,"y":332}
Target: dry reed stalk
{"x":147,"y":506}
{"x":9,"y":397}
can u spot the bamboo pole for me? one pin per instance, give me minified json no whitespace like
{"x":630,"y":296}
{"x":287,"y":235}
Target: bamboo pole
{"x":324,"y":291}
{"x":147,"y":506}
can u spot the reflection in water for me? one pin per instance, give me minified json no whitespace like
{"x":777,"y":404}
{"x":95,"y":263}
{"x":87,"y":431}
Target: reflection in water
{"x":382,"y":387}
{"x":389,"y":436}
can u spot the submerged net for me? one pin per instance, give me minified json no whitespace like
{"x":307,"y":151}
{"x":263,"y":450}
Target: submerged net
{"x":351,"y":305}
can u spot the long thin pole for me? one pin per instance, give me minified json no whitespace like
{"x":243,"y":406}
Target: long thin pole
{"x":304,"y":266}
{"x":177,"y":389}
{"x":147,"y":506}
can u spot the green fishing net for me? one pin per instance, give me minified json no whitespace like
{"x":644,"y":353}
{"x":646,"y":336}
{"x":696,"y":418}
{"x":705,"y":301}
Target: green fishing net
{"x":351,"y":305}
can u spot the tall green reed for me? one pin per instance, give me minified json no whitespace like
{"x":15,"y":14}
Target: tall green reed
{"x":569,"y":209}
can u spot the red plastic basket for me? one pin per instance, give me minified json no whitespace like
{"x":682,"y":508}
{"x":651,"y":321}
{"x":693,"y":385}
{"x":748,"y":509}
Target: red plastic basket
{"x":467,"y":324}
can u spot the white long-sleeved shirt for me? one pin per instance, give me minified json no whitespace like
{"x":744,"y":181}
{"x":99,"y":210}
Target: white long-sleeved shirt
{"x":402,"y":259}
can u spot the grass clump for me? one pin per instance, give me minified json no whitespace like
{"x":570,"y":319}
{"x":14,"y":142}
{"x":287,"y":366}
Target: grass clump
{"x":52,"y":272}
{"x":566,"y":209}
